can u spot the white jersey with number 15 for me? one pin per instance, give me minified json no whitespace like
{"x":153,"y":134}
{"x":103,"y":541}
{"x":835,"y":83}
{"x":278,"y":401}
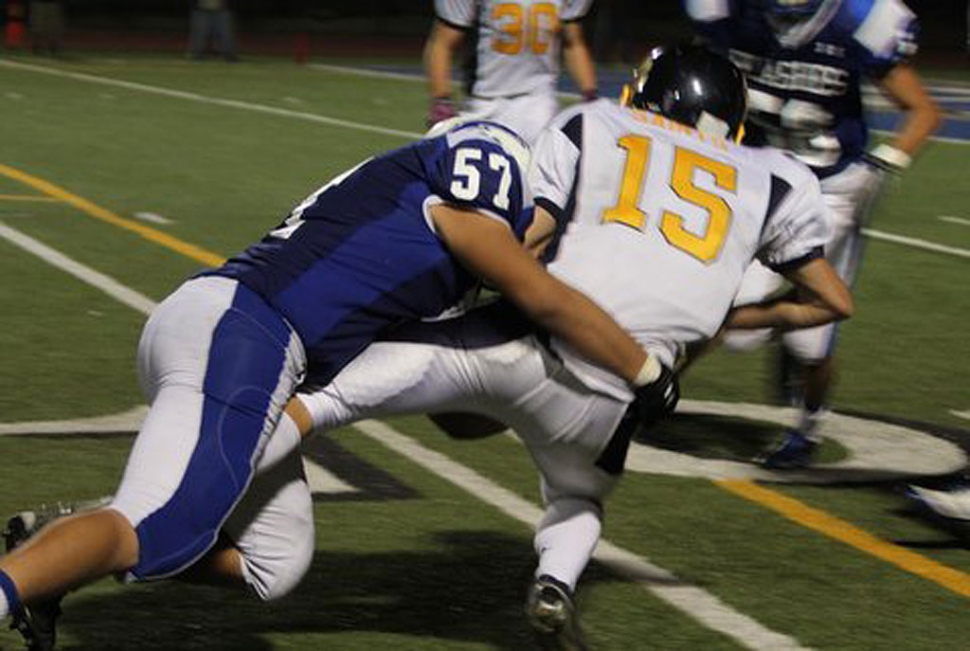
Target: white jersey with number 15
{"x":668,"y":220}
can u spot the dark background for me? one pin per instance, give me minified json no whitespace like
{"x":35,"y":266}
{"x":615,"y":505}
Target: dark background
{"x":618,"y":29}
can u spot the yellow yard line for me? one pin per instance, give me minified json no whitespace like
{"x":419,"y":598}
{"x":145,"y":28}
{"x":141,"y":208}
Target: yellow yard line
{"x":25,"y":197}
{"x":840,"y":530}
{"x":158,"y":237}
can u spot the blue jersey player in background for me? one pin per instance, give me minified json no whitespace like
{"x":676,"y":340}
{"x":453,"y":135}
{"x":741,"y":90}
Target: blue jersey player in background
{"x":805,"y":62}
{"x":399,"y":238}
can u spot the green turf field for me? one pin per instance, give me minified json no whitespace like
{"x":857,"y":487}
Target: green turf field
{"x":220,"y":153}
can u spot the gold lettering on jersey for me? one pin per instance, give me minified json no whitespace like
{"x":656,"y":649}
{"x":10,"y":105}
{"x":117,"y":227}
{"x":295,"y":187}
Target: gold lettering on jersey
{"x":626,"y":211}
{"x":707,"y":246}
{"x":658,"y":120}
{"x":517,"y":30}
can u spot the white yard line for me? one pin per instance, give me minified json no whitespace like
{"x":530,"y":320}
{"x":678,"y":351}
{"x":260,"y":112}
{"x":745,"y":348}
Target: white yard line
{"x":108,"y":285}
{"x":217,"y":101}
{"x":916,"y":243}
{"x":961,"y":414}
{"x":954,"y":220}
{"x":694,"y":602}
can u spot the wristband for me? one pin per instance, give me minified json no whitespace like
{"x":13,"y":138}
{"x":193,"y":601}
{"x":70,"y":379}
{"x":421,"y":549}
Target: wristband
{"x":890,"y":157}
{"x":649,"y":372}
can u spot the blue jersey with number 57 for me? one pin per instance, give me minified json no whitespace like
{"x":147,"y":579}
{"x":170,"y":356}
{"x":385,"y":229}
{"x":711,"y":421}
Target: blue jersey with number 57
{"x":805,"y":79}
{"x":361,"y":255}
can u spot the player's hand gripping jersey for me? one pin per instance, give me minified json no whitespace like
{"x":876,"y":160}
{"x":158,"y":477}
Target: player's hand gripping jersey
{"x":804,"y":81}
{"x":516,"y":42}
{"x":360,"y":255}
{"x":652,"y":201}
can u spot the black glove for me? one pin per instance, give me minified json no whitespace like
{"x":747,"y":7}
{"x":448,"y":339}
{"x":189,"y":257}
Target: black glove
{"x":658,"y":399}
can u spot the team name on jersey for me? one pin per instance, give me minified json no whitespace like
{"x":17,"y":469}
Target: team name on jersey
{"x":660,"y":121}
{"x":813,"y":78}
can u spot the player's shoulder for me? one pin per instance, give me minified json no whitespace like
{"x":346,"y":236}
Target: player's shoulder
{"x":877,"y":25}
{"x":600,"y":109}
{"x":461,"y":130}
{"x":778,"y":163}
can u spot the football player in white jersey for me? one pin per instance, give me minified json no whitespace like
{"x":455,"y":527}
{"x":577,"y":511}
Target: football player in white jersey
{"x":653,"y":209}
{"x":806,"y":61}
{"x":515,"y":67}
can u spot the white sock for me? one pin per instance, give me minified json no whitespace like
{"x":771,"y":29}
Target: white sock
{"x":284,"y":439}
{"x":810,"y":423}
{"x":566,"y":539}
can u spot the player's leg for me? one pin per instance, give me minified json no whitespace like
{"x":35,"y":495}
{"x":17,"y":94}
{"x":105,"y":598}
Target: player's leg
{"x":849,"y":200}
{"x":267,"y":543}
{"x":569,"y":431}
{"x":183,"y":459}
{"x":526,"y":115}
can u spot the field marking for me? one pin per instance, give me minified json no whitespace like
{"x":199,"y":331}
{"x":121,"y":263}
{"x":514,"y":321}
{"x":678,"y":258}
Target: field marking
{"x":153,"y":218}
{"x":840,"y":530}
{"x":961,"y":414}
{"x":27,"y":197}
{"x":158,"y":237}
{"x":188,"y":249}
{"x":96,"y":279}
{"x":693,"y":601}
{"x":954,"y":220}
{"x":217,"y":101}
{"x":877,"y":451}
{"x":916,"y":243}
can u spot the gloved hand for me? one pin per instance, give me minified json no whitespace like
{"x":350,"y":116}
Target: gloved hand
{"x":658,"y":399}
{"x":442,"y":108}
{"x":866,"y":180}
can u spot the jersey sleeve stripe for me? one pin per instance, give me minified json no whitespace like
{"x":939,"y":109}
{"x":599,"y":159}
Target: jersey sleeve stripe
{"x":780,"y":189}
{"x":574,"y":131}
{"x":791,"y":265}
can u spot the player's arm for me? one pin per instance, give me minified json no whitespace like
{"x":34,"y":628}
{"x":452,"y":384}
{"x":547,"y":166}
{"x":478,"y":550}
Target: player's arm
{"x":578,"y":59}
{"x":922,"y":115}
{"x":489,"y":249}
{"x":439,"y":52}
{"x":540,"y":232}
{"x":821,"y":297}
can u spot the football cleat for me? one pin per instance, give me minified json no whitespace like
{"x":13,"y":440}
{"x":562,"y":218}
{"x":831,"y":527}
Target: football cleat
{"x":951,"y":504}
{"x":794,"y":451}
{"x":552,"y":615}
{"x":37,"y":623}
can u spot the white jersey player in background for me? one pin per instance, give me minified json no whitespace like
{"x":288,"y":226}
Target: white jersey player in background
{"x":513,"y":73}
{"x":658,"y":217}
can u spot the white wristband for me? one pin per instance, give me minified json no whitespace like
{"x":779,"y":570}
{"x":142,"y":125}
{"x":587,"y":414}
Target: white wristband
{"x":649,"y":372}
{"x":895,"y":157}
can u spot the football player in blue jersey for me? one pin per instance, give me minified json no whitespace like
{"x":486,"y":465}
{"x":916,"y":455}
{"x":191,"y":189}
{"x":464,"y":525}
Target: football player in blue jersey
{"x":399,"y":238}
{"x":806,"y":62}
